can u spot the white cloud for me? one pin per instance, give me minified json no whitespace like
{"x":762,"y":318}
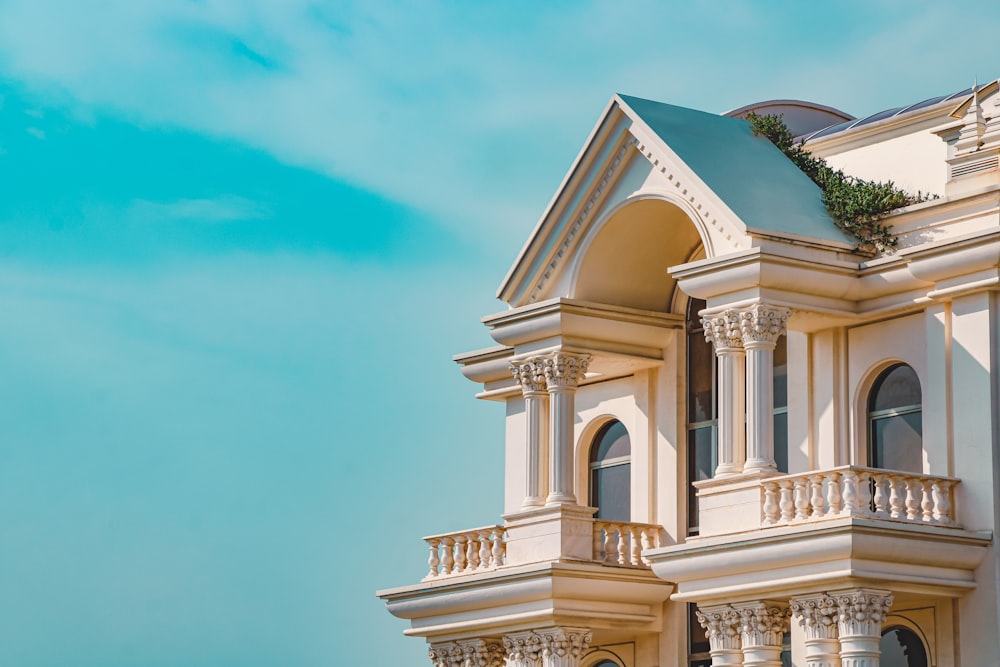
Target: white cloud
{"x":226,"y":208}
{"x":36,"y":132}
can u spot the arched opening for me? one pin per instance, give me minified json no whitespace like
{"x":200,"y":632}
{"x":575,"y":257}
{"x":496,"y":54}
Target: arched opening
{"x":625,"y":262}
{"x":895,"y":423}
{"x":611,"y":473}
{"x":901,"y":647}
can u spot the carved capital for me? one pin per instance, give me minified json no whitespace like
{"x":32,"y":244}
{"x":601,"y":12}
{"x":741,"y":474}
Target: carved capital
{"x":524,"y":649}
{"x":564,"y":647}
{"x":564,"y":369}
{"x":530,"y":374}
{"x":723,"y":330}
{"x":468,"y":653}
{"x":763,"y":624}
{"x":861,"y":612}
{"x":761,"y":324}
{"x":817,"y":615}
{"x":722,"y":627}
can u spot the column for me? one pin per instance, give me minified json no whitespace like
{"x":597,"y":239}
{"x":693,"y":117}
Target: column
{"x":723,"y":331}
{"x":762,"y":627}
{"x":722,"y":626}
{"x":761,"y":325}
{"x":563,"y":371}
{"x":468,"y":653}
{"x":861,"y":613}
{"x":817,"y":615}
{"x":530,"y":374}
{"x":524,"y":649}
{"x":563,"y":647}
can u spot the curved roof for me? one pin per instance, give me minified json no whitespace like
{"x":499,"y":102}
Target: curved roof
{"x":800,"y":116}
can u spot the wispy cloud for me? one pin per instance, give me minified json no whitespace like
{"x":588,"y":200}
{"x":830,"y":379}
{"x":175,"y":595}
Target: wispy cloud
{"x":36,"y":132}
{"x":226,"y":208}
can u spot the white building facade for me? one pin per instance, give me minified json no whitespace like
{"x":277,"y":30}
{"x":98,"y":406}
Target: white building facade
{"x":730,"y":438}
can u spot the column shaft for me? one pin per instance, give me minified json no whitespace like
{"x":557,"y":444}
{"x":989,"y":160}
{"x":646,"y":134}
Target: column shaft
{"x":563,"y":371}
{"x":732,"y":411}
{"x":760,"y":408}
{"x":530,"y":375}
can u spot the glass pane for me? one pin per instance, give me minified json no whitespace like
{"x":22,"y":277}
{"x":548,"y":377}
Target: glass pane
{"x":781,"y":373}
{"x":901,"y":647}
{"x":611,"y":491}
{"x":697,"y":639}
{"x":897,"y":443}
{"x":781,"y":441}
{"x":702,"y":459}
{"x":701,"y":369}
{"x":612,"y":442}
{"x":895,"y":388}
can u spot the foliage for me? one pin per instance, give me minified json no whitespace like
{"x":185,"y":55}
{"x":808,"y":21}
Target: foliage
{"x":856,"y":205}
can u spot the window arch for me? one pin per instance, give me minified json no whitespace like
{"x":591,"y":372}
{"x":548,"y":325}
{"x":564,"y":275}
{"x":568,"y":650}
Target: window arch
{"x":610,"y":473}
{"x":895,"y":422}
{"x":902,"y":647}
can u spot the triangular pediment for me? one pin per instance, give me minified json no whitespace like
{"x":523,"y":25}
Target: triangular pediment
{"x":730,"y":185}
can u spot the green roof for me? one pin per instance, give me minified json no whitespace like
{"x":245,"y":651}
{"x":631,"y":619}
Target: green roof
{"x":758,"y":183}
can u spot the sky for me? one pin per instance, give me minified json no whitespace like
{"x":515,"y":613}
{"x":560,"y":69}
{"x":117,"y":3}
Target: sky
{"x":239,"y":243}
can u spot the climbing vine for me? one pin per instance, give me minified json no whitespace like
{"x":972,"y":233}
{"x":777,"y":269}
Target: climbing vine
{"x":856,"y":205}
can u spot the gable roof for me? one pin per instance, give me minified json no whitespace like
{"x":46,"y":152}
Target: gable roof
{"x":758,"y":183}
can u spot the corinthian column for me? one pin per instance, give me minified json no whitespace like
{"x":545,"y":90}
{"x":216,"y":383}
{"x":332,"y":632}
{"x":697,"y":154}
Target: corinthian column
{"x":723,"y":331}
{"x":468,"y":653}
{"x":524,"y":649}
{"x":530,"y":374}
{"x":860,"y":615}
{"x":563,"y":647}
{"x":762,"y":627}
{"x":817,"y":615}
{"x":760,"y":326}
{"x":722,"y":627}
{"x":563,"y":371}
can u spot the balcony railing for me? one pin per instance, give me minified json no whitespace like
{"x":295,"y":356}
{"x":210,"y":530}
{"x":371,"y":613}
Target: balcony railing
{"x":850,"y":491}
{"x":465,"y":552}
{"x":621,"y":543}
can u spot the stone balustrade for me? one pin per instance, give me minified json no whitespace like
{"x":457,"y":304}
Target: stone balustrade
{"x":851,"y":491}
{"x":621,"y":543}
{"x":466,"y":552}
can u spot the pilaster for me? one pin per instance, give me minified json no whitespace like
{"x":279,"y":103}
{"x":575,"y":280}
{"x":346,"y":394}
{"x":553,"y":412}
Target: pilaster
{"x":817,"y":615}
{"x":722,"y":627}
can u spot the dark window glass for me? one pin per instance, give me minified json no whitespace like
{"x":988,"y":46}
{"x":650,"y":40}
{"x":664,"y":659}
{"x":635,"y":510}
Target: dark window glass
{"x":901,"y":647}
{"x":610,"y":473}
{"x":781,"y":440}
{"x":781,"y":404}
{"x":701,"y":378}
{"x":895,"y":424}
{"x":702,"y":424}
{"x":607,"y":663}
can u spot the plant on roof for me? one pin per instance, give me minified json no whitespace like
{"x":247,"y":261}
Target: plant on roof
{"x":857,"y":206}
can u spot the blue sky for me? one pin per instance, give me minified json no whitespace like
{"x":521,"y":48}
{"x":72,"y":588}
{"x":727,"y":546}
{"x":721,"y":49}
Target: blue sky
{"x":239,"y":242}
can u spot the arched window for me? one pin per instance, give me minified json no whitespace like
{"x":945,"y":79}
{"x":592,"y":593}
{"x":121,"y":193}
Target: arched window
{"x":610,"y":473}
{"x":901,"y":647}
{"x":606,"y":663}
{"x":895,"y":427}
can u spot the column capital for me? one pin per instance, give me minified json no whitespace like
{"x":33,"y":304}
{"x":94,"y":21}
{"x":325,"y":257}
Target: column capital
{"x":524,"y":649}
{"x":564,"y":646}
{"x":861,"y":611}
{"x":468,"y":653}
{"x":530,"y":375}
{"x":565,"y":369}
{"x":723,"y":330}
{"x":722,"y":627}
{"x":763,"y":623}
{"x":762,"y":324}
{"x":817,"y":615}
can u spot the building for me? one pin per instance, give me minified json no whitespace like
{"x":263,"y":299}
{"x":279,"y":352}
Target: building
{"x":731,"y":439}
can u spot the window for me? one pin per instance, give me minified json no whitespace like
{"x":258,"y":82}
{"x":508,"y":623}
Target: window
{"x":895,"y":430}
{"x":610,"y":473}
{"x":901,"y":647}
{"x":781,"y":404}
{"x":702,"y":424}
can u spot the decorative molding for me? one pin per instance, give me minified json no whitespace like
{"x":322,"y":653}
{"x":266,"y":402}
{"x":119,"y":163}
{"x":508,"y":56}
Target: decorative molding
{"x":565,"y":369}
{"x":468,"y":653}
{"x":530,"y":375}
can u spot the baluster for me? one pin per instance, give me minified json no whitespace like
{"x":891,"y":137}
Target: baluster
{"x":816,"y":481}
{"x":447,"y":555}
{"x":771,"y":510}
{"x":833,"y":494}
{"x":801,"y":499}
{"x":499,"y":550}
{"x":850,"y":493}
{"x":598,"y":542}
{"x":942,"y":502}
{"x":786,"y":504}
{"x":485,"y":555}
{"x":472,"y":553}
{"x":610,"y":548}
{"x":460,"y":561}
{"x":896,"y":497}
{"x":622,"y":545}
{"x":647,"y":543}
{"x":865,"y":493}
{"x":881,"y":502}
{"x":433,"y":561}
{"x":927,"y":501}
{"x":633,"y":537}
{"x":912,"y":502}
